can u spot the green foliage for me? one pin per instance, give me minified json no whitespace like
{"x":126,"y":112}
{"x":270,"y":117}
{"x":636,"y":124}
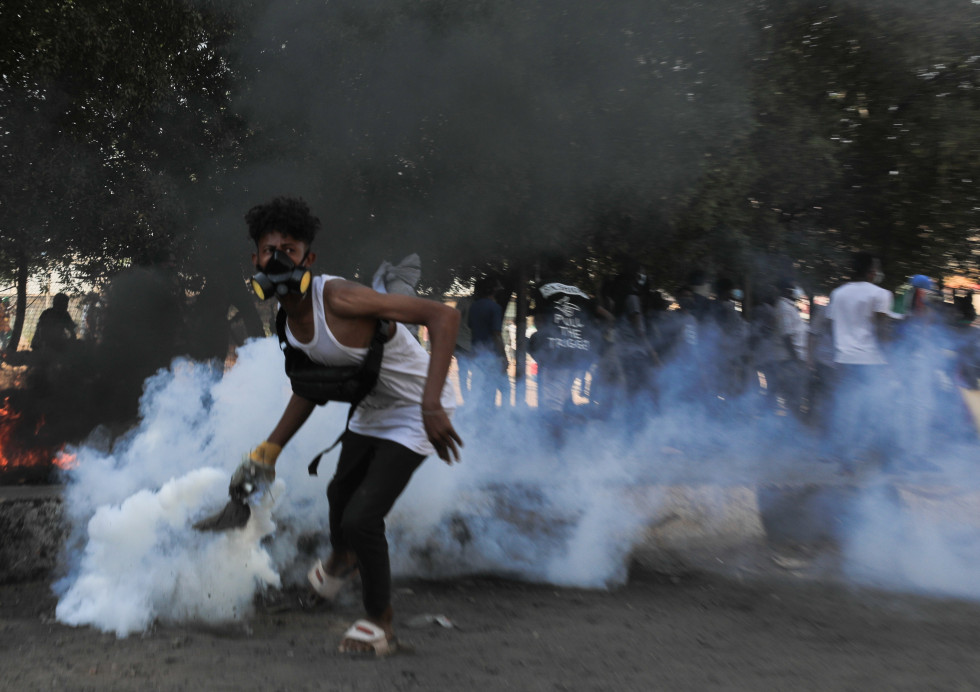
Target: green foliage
{"x":107,"y":110}
{"x":747,"y":138}
{"x":860,"y":141}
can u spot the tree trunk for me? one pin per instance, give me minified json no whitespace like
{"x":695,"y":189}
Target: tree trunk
{"x":21,"y":312}
{"x":520,"y":322}
{"x":748,"y":296}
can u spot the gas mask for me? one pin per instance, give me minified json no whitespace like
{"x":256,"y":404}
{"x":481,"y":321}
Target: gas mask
{"x":280,"y":276}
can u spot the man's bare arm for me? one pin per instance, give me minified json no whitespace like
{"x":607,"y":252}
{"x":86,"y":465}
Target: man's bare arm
{"x":883,"y":326}
{"x":297,"y":411}
{"x":351,"y":300}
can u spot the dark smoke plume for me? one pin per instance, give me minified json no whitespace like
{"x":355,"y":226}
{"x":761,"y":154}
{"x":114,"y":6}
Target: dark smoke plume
{"x":473,"y":131}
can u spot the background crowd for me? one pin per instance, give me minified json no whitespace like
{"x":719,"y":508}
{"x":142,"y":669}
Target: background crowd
{"x":627,"y":352}
{"x":835,"y":365}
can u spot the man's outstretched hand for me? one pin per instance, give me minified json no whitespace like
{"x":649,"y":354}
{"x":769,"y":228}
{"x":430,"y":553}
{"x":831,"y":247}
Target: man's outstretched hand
{"x":442,"y":435}
{"x":256,"y":472}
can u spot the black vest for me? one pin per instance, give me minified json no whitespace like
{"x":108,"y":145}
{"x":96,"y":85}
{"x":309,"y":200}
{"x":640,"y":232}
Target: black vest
{"x":323,"y":383}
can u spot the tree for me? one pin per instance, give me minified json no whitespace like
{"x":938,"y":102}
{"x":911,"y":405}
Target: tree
{"x":106,"y":111}
{"x":860,"y":142}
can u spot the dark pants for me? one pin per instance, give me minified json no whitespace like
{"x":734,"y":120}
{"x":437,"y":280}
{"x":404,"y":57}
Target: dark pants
{"x":789,"y":382}
{"x":371,"y":474}
{"x":489,"y":378}
{"x":819,"y":393}
{"x":861,"y":418}
{"x":464,"y":365}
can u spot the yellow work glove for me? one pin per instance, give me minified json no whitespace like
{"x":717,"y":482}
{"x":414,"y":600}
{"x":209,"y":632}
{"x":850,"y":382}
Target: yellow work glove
{"x":266,"y":453}
{"x":256,"y":472}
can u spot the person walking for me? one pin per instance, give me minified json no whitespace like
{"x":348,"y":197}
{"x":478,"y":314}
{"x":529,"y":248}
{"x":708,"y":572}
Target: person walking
{"x":860,"y":312}
{"x":489,"y":364}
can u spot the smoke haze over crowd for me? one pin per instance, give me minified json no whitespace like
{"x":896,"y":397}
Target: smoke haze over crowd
{"x":519,"y":504}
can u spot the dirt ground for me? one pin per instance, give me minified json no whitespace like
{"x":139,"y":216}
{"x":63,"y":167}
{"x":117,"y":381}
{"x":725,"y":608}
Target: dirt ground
{"x":683,"y":628}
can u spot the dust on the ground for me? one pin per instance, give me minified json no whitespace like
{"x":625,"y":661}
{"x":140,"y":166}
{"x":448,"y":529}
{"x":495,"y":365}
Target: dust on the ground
{"x":759,"y":626}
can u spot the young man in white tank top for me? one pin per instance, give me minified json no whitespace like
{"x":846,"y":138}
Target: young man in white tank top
{"x":398,"y":424}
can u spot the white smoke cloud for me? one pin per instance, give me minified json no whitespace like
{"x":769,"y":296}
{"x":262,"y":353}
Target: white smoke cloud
{"x":143,"y":561}
{"x":134,"y":557}
{"x":519,"y":504}
{"x":917,"y":538}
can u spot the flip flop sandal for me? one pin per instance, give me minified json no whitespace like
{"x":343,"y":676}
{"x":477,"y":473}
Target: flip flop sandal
{"x":367,"y":632}
{"x":325,"y":585}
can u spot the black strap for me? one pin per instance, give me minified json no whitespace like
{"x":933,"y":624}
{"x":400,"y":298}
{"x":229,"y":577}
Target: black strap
{"x":316,"y":460}
{"x":281,"y":329}
{"x":371,"y":364}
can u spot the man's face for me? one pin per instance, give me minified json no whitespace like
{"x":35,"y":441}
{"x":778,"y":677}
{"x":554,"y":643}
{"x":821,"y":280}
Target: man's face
{"x":298,"y":251}
{"x":640,"y":277}
{"x":877,"y":276}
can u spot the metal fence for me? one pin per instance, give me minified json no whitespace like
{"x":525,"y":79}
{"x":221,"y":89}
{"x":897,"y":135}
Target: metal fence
{"x":36,"y":304}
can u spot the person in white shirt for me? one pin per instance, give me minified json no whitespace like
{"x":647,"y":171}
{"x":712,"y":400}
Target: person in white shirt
{"x":820,"y":361}
{"x":860,"y":312}
{"x":792,"y":337}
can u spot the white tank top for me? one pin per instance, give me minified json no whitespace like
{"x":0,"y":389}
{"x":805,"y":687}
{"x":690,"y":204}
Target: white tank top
{"x":392,"y":411}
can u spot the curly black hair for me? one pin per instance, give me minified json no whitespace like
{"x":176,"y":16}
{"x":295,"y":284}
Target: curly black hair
{"x":289,"y":215}
{"x":861,"y":264}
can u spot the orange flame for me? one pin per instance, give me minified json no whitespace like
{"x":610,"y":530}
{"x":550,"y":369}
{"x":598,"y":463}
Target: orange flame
{"x":65,"y":460}
{"x":11,"y":454}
